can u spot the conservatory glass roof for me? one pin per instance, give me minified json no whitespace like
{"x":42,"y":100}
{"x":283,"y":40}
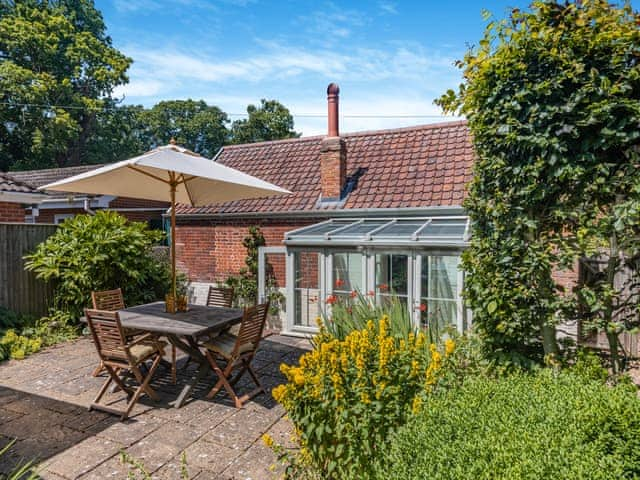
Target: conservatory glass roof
{"x":437,"y":231}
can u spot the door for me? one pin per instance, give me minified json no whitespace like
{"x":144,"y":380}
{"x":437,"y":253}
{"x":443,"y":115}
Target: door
{"x":437,"y":292}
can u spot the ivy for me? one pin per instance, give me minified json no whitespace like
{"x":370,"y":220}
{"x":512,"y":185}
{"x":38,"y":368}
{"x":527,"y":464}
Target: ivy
{"x":552,"y":99}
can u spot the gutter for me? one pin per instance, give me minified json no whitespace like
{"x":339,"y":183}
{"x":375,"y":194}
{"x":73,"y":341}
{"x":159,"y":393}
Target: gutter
{"x":22,"y":197}
{"x":366,"y":212}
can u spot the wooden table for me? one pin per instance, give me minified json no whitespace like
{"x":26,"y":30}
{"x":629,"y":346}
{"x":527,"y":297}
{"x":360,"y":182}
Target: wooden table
{"x":182,"y":329}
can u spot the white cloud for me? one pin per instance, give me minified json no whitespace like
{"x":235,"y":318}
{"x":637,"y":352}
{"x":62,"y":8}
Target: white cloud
{"x":400,"y":81}
{"x":281,"y":62}
{"x":332,"y":23}
{"x":388,"y":8}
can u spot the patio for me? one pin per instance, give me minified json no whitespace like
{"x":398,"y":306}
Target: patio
{"x":43,"y":402}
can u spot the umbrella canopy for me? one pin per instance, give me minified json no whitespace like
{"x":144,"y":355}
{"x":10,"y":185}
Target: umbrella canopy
{"x":172,"y":174}
{"x":199,"y":181}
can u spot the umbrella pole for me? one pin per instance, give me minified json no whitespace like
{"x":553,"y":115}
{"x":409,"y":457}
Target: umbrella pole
{"x":173,"y":241}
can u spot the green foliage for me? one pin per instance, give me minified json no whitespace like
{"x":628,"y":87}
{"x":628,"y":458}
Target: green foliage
{"x":17,"y":346}
{"x":523,"y":426}
{"x":589,"y":366}
{"x":551,"y":95}
{"x":119,"y":133}
{"x":100,"y":252}
{"x":53,"y":53}
{"x":245,"y":285}
{"x":23,"y":471}
{"x":353,"y":313}
{"x":269,"y":121}
{"x":22,"y":335}
{"x":10,"y":319}
{"x":193,"y":124}
{"x":349,"y":394}
{"x":138,"y":470}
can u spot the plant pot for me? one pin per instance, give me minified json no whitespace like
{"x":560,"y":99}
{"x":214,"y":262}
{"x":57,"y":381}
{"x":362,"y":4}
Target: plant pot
{"x":181,"y":303}
{"x":169,"y":303}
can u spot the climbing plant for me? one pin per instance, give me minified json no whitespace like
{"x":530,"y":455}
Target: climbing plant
{"x":551,"y":96}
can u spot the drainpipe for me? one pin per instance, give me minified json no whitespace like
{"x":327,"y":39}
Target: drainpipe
{"x":86,"y":207}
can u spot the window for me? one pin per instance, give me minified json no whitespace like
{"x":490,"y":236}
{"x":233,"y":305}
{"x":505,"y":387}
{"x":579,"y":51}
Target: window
{"x":392,"y":276}
{"x":439,"y":291}
{"x":58,"y":218}
{"x":347,"y":273}
{"x":306,"y":288}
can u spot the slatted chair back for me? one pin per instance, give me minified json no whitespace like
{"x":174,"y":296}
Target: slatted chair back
{"x":110,"y":300}
{"x":220,"y":297}
{"x":108,"y":335}
{"x":251,"y":328}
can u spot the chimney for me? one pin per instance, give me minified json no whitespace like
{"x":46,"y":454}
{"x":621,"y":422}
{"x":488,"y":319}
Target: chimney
{"x":333,"y":152}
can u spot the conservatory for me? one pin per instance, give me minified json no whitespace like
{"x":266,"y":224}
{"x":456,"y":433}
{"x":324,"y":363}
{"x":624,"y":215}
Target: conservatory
{"x":415,"y":259}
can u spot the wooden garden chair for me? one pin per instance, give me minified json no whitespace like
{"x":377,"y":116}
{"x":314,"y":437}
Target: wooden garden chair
{"x":112,"y":301}
{"x":118,"y":352}
{"x":220,"y":297}
{"x":237,"y":352}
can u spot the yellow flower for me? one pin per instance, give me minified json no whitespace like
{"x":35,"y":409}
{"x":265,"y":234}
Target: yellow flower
{"x":267,"y":440}
{"x":436,"y":358}
{"x":279,"y":392}
{"x":298,"y":379}
{"x":449,"y":347}
{"x":417,"y":403}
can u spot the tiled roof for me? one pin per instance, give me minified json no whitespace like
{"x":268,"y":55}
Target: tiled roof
{"x":423,"y":166}
{"x":8,"y":183}
{"x":38,"y":178}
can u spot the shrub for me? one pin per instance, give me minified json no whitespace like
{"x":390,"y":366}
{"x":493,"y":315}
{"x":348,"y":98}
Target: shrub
{"x":100,"y":252}
{"x":349,"y":393}
{"x":26,"y":335}
{"x":543,"y":425}
{"x":353,"y":313}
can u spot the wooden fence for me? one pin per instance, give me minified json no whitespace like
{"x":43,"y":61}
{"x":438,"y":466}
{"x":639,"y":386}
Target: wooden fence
{"x":21,"y":291}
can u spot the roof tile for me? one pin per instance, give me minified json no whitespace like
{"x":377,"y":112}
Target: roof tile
{"x":406,"y":166}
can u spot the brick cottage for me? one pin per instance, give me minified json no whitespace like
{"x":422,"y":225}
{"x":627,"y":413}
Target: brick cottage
{"x":15,"y":198}
{"x":387,"y":211}
{"x":56,"y":207}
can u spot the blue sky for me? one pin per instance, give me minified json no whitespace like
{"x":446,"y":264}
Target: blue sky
{"x":389,"y":57}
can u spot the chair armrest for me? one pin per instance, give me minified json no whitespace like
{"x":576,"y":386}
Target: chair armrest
{"x":141,"y":339}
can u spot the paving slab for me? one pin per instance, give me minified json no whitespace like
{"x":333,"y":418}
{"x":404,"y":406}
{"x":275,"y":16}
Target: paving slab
{"x":44,"y":400}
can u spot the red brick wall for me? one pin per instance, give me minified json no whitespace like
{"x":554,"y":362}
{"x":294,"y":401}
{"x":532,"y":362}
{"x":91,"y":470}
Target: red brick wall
{"x":11,"y":212}
{"x":48,"y":215}
{"x":211,"y":250}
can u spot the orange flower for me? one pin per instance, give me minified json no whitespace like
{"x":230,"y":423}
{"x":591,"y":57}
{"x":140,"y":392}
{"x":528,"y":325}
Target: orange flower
{"x":423,"y":307}
{"x":371,"y":293}
{"x":354,"y":294}
{"x":331,"y":299}
{"x":339,"y":283}
{"x":383,"y":287}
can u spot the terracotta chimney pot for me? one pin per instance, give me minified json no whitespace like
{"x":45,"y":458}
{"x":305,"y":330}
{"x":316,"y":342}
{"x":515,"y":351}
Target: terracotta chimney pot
{"x":333,"y":151}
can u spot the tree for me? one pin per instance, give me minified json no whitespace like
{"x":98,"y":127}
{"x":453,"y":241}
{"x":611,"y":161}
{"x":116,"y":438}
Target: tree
{"x":57,"y":69}
{"x":270,"y":121}
{"x":192,"y":124}
{"x":552,"y":99}
{"x":119,"y":134}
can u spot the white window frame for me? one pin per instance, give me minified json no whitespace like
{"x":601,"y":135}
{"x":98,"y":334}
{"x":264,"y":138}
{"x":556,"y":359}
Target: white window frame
{"x":415,"y":257}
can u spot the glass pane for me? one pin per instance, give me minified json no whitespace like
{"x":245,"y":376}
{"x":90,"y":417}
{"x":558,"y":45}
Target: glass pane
{"x":445,"y":228}
{"x":359,"y":229}
{"x":391,"y":276}
{"x":306,"y":288}
{"x":321,"y":229}
{"x":347,"y":273}
{"x":399,"y":229}
{"x":439,"y":291}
